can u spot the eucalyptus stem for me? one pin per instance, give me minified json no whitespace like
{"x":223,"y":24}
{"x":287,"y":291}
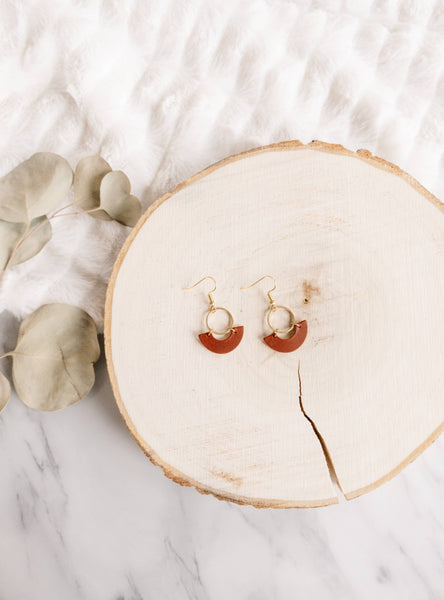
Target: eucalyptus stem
{"x":82,"y":212}
{"x":59,"y":210}
{"x":28,"y":232}
{"x":7,"y":354}
{"x":53,"y":216}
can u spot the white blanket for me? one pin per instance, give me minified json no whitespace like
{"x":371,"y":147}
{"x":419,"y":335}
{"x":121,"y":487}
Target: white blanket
{"x":163,"y":88}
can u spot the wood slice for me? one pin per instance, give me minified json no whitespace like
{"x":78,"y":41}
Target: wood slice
{"x":357,"y":249}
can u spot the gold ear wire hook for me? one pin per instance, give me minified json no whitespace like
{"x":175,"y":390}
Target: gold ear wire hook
{"x":210,"y":293}
{"x":270,"y":297}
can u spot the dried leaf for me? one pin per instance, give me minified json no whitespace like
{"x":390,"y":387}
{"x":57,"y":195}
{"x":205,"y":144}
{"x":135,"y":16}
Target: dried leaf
{"x":37,"y":237}
{"x":53,"y":360}
{"x":39,"y":234}
{"x":9,"y":235}
{"x":87,"y":178}
{"x":116,"y":199}
{"x":34,"y":188}
{"x":5,"y":391}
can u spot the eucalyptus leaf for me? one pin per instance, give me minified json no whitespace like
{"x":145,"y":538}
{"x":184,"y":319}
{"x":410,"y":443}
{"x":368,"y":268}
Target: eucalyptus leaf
{"x":10,"y":233}
{"x":116,"y":199}
{"x":53,"y":361}
{"x":38,"y":236}
{"x":87,"y":178}
{"x":5,"y":391}
{"x":35,"y":187}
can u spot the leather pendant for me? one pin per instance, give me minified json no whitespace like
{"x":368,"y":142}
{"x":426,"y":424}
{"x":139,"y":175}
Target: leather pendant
{"x":222,"y":346}
{"x":291,"y":343}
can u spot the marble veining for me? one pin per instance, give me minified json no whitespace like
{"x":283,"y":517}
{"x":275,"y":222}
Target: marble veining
{"x":85,"y":515}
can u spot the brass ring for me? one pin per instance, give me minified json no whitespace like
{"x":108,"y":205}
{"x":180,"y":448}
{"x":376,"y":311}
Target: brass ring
{"x":230,"y":323}
{"x":292,"y":319}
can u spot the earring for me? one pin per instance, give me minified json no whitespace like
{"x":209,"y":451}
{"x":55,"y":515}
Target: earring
{"x":299,"y":330}
{"x":208,"y":340}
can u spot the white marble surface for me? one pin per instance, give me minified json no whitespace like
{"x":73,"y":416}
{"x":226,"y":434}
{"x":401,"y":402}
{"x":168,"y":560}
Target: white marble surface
{"x":85,"y":515}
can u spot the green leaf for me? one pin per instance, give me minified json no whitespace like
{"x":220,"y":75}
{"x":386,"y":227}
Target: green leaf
{"x":5,"y":391}
{"x":35,"y":187}
{"x":116,"y":199}
{"x":53,"y":361}
{"x":87,"y":178}
{"x":37,"y":237}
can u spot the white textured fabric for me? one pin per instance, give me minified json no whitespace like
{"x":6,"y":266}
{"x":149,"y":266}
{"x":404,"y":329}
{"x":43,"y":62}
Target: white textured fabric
{"x":164,"y":88}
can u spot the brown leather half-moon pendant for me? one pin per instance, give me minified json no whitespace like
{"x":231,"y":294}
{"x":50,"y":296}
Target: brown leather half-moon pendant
{"x":222,"y":346}
{"x":291,"y":343}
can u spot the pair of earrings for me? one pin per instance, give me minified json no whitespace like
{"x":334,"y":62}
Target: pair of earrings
{"x":235,"y":333}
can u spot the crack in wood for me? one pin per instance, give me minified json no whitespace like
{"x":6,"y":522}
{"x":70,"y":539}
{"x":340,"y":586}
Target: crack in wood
{"x":328,"y":460}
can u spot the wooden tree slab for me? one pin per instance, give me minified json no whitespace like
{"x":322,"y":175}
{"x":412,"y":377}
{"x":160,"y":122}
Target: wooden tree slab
{"x":357,"y":249}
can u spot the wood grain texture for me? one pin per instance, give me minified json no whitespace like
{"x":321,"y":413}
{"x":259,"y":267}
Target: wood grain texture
{"x":357,"y":248}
